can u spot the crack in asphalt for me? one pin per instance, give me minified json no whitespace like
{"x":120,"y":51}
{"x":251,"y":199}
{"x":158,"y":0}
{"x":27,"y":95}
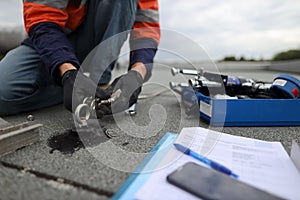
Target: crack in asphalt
{"x":58,"y":179}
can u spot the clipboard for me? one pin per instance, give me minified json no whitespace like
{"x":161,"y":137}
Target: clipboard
{"x":283,"y":185}
{"x":137,"y":180}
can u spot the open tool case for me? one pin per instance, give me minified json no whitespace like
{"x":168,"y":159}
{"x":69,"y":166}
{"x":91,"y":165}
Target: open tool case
{"x":270,"y":111}
{"x":249,"y":112}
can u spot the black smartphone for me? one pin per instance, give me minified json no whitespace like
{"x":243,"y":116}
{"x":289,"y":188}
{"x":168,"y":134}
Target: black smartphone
{"x":210,"y":184}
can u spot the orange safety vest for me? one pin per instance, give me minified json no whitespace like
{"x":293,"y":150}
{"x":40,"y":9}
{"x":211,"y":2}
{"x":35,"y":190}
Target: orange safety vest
{"x":70,"y":14}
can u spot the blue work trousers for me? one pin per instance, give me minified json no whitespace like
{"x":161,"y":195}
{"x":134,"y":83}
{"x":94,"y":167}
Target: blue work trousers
{"x":26,"y":85}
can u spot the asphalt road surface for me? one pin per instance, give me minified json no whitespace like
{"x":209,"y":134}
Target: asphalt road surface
{"x":96,"y":168}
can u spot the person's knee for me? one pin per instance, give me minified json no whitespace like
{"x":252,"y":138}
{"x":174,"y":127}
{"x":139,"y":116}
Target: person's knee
{"x":17,"y":78}
{"x":4,"y":87}
{"x":12,"y":88}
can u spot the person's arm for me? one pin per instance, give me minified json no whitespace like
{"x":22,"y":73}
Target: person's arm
{"x":140,"y":68}
{"x":55,"y":50}
{"x":45,"y":23}
{"x":63,"y":68}
{"x":144,"y":38}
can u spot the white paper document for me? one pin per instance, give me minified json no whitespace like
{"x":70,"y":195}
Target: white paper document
{"x":262,"y":164}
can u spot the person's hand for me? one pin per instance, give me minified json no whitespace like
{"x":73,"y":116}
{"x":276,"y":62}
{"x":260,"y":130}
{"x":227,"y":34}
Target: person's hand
{"x":130,"y":85}
{"x":85,"y":87}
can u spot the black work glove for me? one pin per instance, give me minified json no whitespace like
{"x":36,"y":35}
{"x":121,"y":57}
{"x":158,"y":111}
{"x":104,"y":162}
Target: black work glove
{"x":85,"y":87}
{"x":130,"y":85}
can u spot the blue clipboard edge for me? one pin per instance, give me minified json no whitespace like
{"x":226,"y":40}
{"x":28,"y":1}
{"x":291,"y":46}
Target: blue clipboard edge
{"x":142,"y":165}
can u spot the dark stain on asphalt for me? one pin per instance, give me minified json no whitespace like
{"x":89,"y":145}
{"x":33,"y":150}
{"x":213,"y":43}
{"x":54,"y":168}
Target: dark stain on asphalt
{"x":67,"y":142}
{"x":72,"y":140}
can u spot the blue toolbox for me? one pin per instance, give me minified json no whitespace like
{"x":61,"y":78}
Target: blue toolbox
{"x":249,"y":112}
{"x":241,"y":102}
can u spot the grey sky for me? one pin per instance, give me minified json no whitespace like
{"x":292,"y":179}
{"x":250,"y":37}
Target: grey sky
{"x":253,"y":28}
{"x":239,"y":27}
{"x":11,"y":13}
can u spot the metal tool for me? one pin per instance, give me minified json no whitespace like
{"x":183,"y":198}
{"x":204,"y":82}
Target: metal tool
{"x":13,"y":137}
{"x":89,"y":105}
{"x":203,"y":81}
{"x":175,"y":71}
{"x":131,"y":111}
{"x":210,"y":83}
{"x":177,"y":87}
{"x":112,"y":99}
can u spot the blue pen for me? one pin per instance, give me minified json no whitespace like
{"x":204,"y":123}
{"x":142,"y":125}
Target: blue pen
{"x":214,"y":165}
